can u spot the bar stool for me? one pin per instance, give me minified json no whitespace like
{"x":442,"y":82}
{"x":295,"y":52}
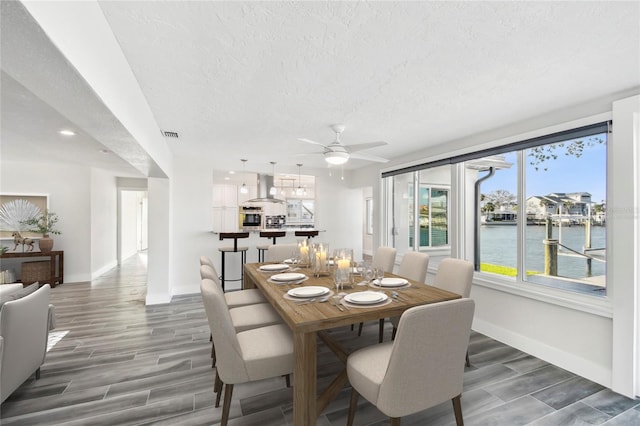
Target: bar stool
{"x":264,"y":247}
{"x":308,"y":234}
{"x":235,"y":249}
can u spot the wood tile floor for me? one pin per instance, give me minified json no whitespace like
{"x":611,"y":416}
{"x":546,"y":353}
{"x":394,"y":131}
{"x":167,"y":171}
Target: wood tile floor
{"x":123,"y":363}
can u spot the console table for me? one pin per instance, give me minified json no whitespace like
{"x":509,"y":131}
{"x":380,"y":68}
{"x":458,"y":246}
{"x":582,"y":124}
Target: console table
{"x":56,"y":261}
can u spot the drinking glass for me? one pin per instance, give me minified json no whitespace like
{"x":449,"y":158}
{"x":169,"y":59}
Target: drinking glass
{"x":338,"y":280}
{"x":379,"y":275}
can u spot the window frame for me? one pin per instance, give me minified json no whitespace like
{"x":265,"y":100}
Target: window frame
{"x":461,"y":228}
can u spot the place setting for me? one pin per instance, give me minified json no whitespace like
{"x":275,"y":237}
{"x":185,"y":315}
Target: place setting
{"x":308,"y":294}
{"x":365,"y":299}
{"x":288,"y":278}
{"x":390,"y":283}
{"x":274,"y":267}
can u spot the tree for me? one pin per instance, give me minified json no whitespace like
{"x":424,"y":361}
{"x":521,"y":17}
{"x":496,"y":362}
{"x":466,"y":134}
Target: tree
{"x":500,"y":198}
{"x":543,"y":153}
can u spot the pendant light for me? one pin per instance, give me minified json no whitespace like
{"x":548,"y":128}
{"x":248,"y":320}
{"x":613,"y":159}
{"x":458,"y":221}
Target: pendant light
{"x":243,"y":188}
{"x":273,"y":190}
{"x":299,"y":190}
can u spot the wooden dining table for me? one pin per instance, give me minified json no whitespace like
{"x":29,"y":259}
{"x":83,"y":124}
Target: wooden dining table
{"x":311,"y":320}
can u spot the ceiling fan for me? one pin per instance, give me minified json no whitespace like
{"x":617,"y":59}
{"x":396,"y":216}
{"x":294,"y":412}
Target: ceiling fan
{"x":337,"y":153}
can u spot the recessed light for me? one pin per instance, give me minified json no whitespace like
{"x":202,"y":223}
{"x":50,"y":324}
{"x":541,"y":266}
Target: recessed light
{"x":231,"y":172}
{"x":227,"y":178}
{"x":67,"y":132}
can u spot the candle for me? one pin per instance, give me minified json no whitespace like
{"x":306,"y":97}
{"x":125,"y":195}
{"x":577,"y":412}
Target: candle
{"x":344,"y":264}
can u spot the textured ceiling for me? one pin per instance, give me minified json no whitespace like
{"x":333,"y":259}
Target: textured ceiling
{"x":246,"y":79}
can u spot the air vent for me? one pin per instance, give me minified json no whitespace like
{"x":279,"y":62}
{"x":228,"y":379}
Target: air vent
{"x":170,"y":134}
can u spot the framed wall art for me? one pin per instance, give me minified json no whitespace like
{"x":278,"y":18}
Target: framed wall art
{"x":16,"y":208}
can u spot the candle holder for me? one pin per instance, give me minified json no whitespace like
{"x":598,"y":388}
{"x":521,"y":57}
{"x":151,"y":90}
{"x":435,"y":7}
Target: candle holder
{"x":303,"y":249}
{"x":319,"y":259}
{"x":343,"y":276}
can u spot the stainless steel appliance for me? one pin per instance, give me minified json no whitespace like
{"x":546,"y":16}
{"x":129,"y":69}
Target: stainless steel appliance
{"x":274,"y":222}
{"x":251,"y":218}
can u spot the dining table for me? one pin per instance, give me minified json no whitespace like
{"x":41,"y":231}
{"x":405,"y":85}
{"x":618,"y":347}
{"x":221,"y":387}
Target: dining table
{"x":310,"y":320}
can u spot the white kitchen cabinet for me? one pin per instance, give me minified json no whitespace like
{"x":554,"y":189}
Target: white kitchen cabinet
{"x":225,"y":219}
{"x":225,"y":195}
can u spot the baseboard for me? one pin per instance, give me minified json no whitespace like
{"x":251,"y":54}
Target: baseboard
{"x":157,"y":299}
{"x":104,"y":269}
{"x":568,"y":361}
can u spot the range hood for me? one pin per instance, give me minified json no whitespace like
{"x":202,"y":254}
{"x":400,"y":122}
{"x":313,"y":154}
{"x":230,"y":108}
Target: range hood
{"x":265,"y":183}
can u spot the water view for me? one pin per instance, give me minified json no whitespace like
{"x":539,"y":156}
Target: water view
{"x":498,"y":247}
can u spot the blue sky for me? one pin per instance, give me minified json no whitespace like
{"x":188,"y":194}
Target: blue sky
{"x":564,"y":174}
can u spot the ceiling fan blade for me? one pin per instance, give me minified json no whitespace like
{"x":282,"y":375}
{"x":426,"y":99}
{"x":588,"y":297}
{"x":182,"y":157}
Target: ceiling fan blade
{"x":363,"y":146}
{"x":368,"y":157}
{"x":310,"y":141}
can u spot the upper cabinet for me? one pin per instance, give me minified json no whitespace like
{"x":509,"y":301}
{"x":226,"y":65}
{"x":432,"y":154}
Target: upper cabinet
{"x":225,"y":195}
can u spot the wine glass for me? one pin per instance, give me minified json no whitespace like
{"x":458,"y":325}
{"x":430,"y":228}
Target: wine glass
{"x":338,"y":280}
{"x":379,"y":275}
{"x":367,"y":273}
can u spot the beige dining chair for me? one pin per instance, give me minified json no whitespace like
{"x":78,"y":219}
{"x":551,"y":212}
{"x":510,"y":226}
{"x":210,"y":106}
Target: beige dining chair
{"x":385,"y":258}
{"x":280,"y":252}
{"x":414,"y":266}
{"x":421,"y":368}
{"x":456,"y":276}
{"x":234,"y":298}
{"x":245,"y":317}
{"x":244,"y":356}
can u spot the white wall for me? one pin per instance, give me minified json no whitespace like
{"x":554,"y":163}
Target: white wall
{"x":128,"y":224}
{"x":69,"y":190}
{"x":103,"y":236}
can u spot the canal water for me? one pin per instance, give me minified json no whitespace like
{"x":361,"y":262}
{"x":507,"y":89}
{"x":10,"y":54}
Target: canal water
{"x":498,"y":247}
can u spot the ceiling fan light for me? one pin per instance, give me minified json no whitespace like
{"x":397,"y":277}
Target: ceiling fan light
{"x":336,"y":158}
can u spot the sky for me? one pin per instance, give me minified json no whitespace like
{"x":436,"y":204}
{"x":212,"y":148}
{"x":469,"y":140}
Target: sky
{"x":564,"y":174}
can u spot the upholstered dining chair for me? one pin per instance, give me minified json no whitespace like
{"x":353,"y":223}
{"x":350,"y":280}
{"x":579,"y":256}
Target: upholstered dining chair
{"x":244,"y":356}
{"x":243,"y":317}
{"x":385,"y":258}
{"x":280,"y":252}
{"x":413,"y":266}
{"x":421,"y":368}
{"x":234,"y":298}
{"x":456,"y":276}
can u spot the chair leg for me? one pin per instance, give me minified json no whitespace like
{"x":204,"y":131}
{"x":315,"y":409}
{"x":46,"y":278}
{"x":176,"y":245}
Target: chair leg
{"x":226,"y":406}
{"x":394,"y":421}
{"x":38,"y":374}
{"x":457,"y":410}
{"x":393,"y":333}
{"x":217,"y":388}
{"x":287,"y":380}
{"x":352,"y":327}
{"x":467,"y":360}
{"x":353,"y":404}
{"x":360,"y":328}
{"x":213,"y":354}
{"x":381,"y":330}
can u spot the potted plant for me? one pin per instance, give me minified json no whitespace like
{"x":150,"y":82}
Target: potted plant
{"x":44,"y":224}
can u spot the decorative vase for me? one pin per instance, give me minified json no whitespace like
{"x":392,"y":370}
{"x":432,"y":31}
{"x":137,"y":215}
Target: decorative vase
{"x":45,"y":243}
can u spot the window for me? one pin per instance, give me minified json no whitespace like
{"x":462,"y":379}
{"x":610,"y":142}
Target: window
{"x":419,"y":219}
{"x":537,"y":209}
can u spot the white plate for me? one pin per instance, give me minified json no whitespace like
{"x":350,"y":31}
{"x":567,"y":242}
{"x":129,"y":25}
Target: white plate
{"x":308,"y":291}
{"x":289,"y":276}
{"x":366,"y":297}
{"x":392,"y":282}
{"x":274,"y":267}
